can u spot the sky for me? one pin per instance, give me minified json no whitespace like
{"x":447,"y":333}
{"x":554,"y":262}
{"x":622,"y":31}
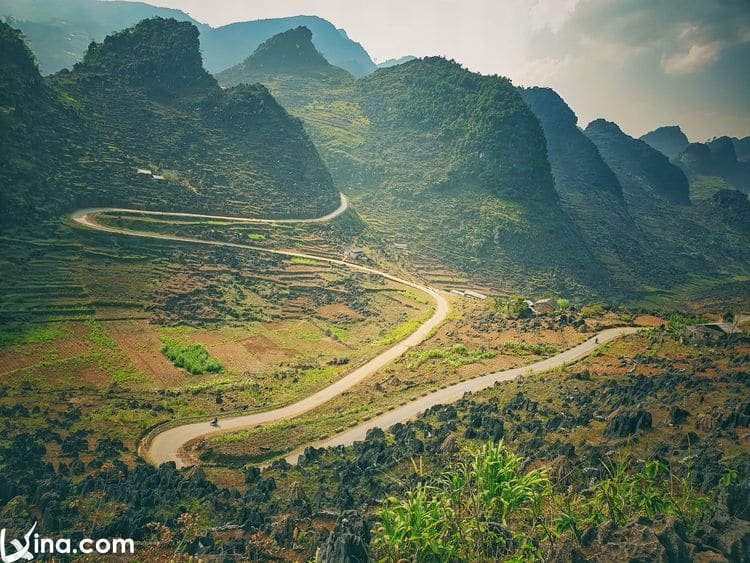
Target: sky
{"x":640,"y":63}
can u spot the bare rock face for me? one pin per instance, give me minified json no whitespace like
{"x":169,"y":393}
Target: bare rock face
{"x":624,"y":423}
{"x":348,"y":542}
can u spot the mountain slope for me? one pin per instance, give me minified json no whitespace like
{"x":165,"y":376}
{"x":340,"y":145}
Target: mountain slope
{"x":60,"y":32}
{"x":288,"y":56}
{"x":141,"y":99}
{"x":669,"y":140}
{"x":455,"y":163}
{"x":685,"y":236}
{"x":643,"y":171}
{"x":592,"y":195}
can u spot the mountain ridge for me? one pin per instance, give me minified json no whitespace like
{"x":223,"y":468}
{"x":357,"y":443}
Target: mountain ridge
{"x":141,"y":99}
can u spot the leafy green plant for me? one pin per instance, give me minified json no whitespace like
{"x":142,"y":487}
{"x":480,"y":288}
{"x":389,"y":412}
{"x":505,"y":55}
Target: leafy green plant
{"x":466,"y":514}
{"x":193,"y":357}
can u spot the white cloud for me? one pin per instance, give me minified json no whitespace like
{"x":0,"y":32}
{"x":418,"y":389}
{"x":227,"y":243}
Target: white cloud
{"x":695,"y":58}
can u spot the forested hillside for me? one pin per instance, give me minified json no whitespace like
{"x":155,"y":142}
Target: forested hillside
{"x":448,"y":161}
{"x":141,"y":99}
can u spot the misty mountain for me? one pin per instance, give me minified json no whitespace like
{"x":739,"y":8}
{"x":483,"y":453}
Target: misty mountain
{"x":642,"y":170}
{"x":291,"y":54}
{"x":592,"y":195}
{"x":59,"y":32}
{"x":398,"y":61}
{"x":669,"y":140}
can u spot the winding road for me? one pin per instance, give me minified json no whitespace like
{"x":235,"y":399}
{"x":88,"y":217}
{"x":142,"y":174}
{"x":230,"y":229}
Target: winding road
{"x":167,"y":444}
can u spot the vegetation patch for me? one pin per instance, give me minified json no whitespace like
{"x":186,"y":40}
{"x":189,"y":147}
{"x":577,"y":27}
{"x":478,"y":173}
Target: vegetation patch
{"x":192,"y":357}
{"x":32,"y":334}
{"x":455,"y":356}
{"x":526,"y":348}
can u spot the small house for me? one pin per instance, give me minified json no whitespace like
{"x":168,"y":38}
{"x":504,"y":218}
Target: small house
{"x":356,"y":253}
{"x":475,"y":294}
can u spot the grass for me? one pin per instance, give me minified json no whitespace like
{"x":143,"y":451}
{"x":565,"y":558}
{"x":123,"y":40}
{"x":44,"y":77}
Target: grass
{"x":415,"y":297}
{"x":403,"y":330}
{"x":192,"y":357}
{"x":455,"y":356}
{"x":526,"y":348}
{"x":303,"y":260}
{"x":32,"y":334}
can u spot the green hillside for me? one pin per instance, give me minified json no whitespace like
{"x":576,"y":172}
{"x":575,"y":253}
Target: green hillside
{"x":450,"y":162}
{"x":593,"y":196}
{"x":141,"y":99}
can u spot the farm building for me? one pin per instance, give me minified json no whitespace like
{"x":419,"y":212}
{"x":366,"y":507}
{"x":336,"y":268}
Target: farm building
{"x":143,"y":171}
{"x":468,"y":293}
{"x":356,"y":253}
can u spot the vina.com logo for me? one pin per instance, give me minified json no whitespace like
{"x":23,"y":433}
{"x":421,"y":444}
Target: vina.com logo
{"x":33,"y":544}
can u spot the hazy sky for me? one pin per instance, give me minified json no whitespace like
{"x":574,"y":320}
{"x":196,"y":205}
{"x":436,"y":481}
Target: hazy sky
{"x":641,"y":63}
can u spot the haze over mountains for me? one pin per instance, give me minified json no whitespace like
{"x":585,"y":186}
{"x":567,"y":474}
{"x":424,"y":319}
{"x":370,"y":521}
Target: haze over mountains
{"x":59,"y":32}
{"x":495,"y":183}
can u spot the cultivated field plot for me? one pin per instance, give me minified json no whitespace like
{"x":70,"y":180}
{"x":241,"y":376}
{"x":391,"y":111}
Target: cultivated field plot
{"x":280,"y":328}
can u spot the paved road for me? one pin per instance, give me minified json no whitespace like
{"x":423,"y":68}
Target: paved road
{"x":166,"y":445}
{"x":455,"y":392}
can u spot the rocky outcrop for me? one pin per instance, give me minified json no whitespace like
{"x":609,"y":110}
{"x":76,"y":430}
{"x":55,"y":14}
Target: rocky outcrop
{"x":348,"y":542}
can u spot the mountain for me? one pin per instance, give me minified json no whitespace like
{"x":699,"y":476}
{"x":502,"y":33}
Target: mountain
{"x":592,"y":195}
{"x":142,"y":99}
{"x":60,"y":32}
{"x":642,"y":170}
{"x":398,"y":61}
{"x":291,"y":54}
{"x":669,"y":140}
{"x":226,"y":46}
{"x":455,"y":163}
{"x":451,"y":162}
{"x":714,"y":166}
{"x":694,"y":239}
{"x":742,"y":148}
